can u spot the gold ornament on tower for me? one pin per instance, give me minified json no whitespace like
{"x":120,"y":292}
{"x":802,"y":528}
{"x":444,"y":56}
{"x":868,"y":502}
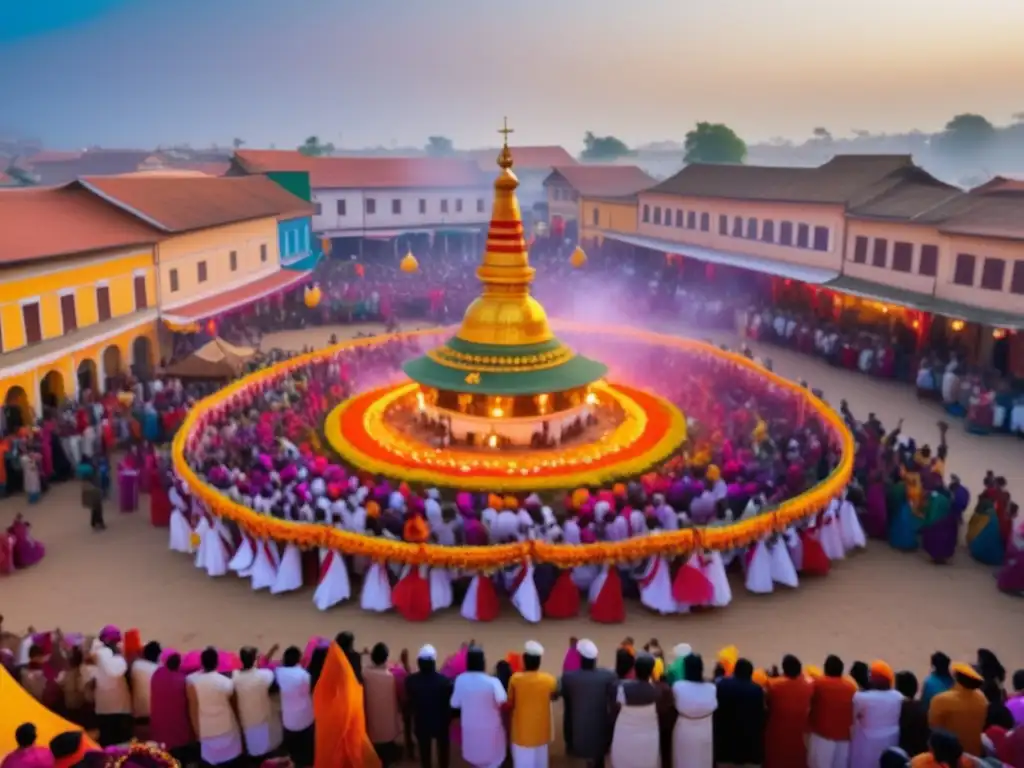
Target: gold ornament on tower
{"x":578,"y":258}
{"x":409,"y":263}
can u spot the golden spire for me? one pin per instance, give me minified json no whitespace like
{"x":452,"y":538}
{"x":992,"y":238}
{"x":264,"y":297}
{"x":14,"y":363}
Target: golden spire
{"x":505,"y":313}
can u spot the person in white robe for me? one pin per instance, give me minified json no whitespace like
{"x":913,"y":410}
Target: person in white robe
{"x":783,"y":570}
{"x":289,"y":571}
{"x":759,"y":569}
{"x":655,"y":582}
{"x":201,"y":536}
{"x":696,"y":701}
{"x":831,"y":538}
{"x":244,"y":558}
{"x":264,"y":569}
{"x":376,"y":593}
{"x":479,"y":698}
{"x":216,"y":554}
{"x":333,"y":586}
{"x":523,"y":590}
{"x":850,"y":530}
{"x":876,"y":721}
{"x":180,"y":530}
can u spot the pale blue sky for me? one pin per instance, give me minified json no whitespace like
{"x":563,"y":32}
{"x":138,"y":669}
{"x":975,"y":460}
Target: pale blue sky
{"x":142,"y":72}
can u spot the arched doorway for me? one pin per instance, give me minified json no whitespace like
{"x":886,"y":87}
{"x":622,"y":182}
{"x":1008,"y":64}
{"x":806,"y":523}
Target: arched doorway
{"x":17,"y":411}
{"x":51,"y":389}
{"x":142,"y":357}
{"x":111,"y":363}
{"x":87,"y":376}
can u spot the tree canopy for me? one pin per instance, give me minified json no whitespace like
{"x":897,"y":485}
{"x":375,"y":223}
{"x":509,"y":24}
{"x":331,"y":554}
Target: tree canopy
{"x":313,"y":147}
{"x":966,"y":134}
{"x":603,"y":147}
{"x":714,"y":143}
{"x":439,"y":146}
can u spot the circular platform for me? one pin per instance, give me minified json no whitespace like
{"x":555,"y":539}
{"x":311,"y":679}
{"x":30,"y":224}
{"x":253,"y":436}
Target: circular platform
{"x":651,"y":429}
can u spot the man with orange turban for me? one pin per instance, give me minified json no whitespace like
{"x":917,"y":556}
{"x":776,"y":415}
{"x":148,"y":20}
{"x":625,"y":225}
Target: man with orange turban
{"x":876,"y":716}
{"x":963,"y":709}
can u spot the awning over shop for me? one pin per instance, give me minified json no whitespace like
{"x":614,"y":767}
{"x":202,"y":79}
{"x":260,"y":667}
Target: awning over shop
{"x":305,"y":264}
{"x":814,"y":275}
{"x":236,"y":298}
{"x":888,"y":294}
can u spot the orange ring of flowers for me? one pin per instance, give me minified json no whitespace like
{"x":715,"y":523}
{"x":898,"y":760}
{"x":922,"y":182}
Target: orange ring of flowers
{"x":489,"y":558}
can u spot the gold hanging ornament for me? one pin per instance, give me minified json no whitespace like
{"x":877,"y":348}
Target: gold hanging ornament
{"x":578,"y":258}
{"x":312,"y":296}
{"x":409,"y":263}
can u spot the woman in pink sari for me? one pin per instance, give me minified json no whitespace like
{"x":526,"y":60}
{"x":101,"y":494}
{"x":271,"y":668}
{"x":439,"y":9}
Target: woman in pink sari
{"x":27,"y":551}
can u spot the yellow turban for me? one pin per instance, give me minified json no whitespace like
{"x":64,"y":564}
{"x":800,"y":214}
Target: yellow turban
{"x":813,"y":672}
{"x":580,"y":497}
{"x":727,"y":657}
{"x":619,"y":489}
{"x":760,"y":677}
{"x":511,"y":503}
{"x":714,"y":474}
{"x":494,"y":501}
{"x":372,"y":509}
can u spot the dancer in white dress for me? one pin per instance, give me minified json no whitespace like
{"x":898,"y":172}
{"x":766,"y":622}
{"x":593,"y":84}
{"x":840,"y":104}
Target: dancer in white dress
{"x":376,"y":594}
{"x":831,"y":538}
{"x":783,"y":570}
{"x":850,"y":530}
{"x":180,"y":530}
{"x":244,"y":558}
{"x":334,"y":586}
{"x":289,"y":571}
{"x":655,"y":582}
{"x":759,"y":569}
{"x":264,"y":570}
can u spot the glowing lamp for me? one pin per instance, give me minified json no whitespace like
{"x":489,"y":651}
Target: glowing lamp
{"x":360,"y":270}
{"x":578,"y":258}
{"x":492,"y":441}
{"x":591,"y":398}
{"x":916,"y":324}
{"x":409,"y":264}
{"x":497,"y":412}
{"x":312,"y":296}
{"x":421,"y":401}
{"x":999,"y":333}
{"x":211,"y":327}
{"x":956,"y":326}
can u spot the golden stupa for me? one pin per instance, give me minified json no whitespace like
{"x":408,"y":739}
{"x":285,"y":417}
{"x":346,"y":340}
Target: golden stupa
{"x":505,"y":361}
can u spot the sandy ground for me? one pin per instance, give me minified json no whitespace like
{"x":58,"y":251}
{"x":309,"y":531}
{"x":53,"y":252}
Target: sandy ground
{"x":878,"y":604}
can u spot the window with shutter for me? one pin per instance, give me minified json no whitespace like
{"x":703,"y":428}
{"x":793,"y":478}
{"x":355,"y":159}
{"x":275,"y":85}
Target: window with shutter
{"x":141,"y":301}
{"x":102,"y":303}
{"x":33,"y":323}
{"x":68,"y":313}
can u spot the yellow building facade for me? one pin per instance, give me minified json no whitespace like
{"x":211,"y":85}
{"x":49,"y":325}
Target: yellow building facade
{"x":70,"y":324}
{"x":598,"y":215}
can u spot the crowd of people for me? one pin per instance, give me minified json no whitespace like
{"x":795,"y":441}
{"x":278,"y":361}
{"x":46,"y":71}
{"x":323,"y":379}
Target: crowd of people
{"x":648,"y":709}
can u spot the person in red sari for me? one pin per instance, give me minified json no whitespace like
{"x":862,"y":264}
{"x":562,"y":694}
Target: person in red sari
{"x":789,"y":711}
{"x":159,"y":501}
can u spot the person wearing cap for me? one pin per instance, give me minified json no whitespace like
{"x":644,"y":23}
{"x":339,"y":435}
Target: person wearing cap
{"x":962,"y":709}
{"x":876,"y":717}
{"x":428,"y":693}
{"x":113,"y":698}
{"x":479,"y":698}
{"x":530,"y":694}
{"x":586,"y":693}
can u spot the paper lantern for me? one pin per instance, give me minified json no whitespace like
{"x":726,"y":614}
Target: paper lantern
{"x":325,"y":246}
{"x":409,"y":264}
{"x":312,"y":296}
{"x":211,"y":327}
{"x":360,"y":270}
{"x":578,"y":258}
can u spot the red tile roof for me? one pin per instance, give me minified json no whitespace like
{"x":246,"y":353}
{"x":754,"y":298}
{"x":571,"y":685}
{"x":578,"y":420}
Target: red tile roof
{"x":541,"y":158}
{"x":603,"y":180}
{"x":184,"y":203}
{"x":367,"y":172}
{"x":237,"y":297}
{"x":43,"y":222}
{"x":1000,"y":184}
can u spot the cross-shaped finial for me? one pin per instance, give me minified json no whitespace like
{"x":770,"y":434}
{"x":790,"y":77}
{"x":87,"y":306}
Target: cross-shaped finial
{"x":505,"y":131}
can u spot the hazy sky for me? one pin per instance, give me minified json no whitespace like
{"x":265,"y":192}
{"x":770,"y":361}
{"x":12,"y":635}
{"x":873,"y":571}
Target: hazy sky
{"x":136,"y":73}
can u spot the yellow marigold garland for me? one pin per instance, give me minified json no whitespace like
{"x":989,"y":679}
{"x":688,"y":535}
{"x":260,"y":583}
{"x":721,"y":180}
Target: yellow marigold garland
{"x":489,"y":558}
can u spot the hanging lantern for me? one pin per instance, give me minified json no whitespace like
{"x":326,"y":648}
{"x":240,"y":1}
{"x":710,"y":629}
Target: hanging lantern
{"x":211,"y":327}
{"x":312,"y":296}
{"x":325,"y":246}
{"x":360,"y":270}
{"x":578,"y":258}
{"x":409,"y":264}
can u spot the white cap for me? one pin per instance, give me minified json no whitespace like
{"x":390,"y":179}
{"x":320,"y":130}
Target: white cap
{"x":533,"y":648}
{"x":682,"y":650}
{"x":587,"y":649}
{"x":427,"y":653}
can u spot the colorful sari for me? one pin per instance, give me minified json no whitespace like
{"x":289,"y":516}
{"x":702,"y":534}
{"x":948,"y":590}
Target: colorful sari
{"x":903,"y":523}
{"x":941,"y":528}
{"x":1011,"y":575}
{"x":984,"y":539}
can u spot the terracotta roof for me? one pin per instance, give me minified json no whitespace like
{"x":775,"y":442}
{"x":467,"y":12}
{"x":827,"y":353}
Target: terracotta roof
{"x":911,"y":200}
{"x":367,"y":172}
{"x":1000,"y":184}
{"x":843,"y":180}
{"x":998,"y":215}
{"x":209,"y":168}
{"x":181,"y":204}
{"x":236,"y":297}
{"x":45,"y":222}
{"x":541,"y":158}
{"x":607,"y":181}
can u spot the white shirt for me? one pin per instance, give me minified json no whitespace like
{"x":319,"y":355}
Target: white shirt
{"x":480,"y":697}
{"x":110,"y":674}
{"x":252,"y":694}
{"x":141,"y":677}
{"x":296,"y":697}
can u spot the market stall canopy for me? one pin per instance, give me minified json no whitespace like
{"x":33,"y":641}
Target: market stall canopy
{"x":17,"y":707}
{"x":215,"y":360}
